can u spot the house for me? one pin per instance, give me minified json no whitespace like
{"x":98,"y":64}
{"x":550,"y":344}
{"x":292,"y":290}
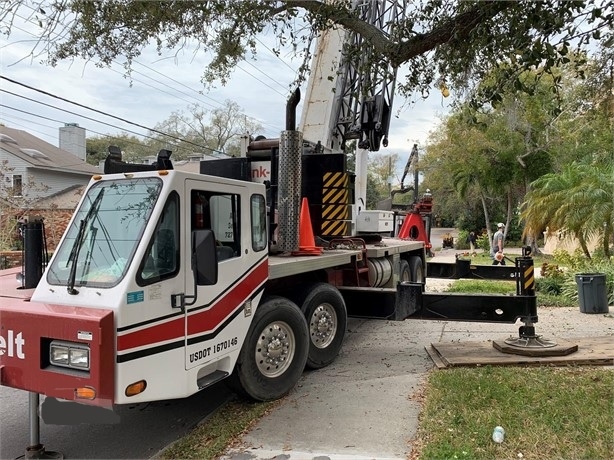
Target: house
{"x":40,"y":179}
{"x":33,"y":169}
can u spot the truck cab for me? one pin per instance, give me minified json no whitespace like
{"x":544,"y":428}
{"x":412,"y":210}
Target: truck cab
{"x":176,"y":259}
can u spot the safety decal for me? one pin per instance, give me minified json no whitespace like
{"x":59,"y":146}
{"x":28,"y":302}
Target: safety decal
{"x":335,"y":195}
{"x":135,"y":297}
{"x":335,"y":228}
{"x":336,"y":211}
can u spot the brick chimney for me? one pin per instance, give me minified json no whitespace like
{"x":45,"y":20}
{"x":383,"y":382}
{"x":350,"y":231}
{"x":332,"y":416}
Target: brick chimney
{"x":72,"y":139}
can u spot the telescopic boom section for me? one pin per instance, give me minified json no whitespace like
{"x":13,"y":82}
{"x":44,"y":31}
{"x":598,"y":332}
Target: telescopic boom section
{"x":351,"y":97}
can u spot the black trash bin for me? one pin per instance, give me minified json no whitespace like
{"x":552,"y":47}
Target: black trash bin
{"x":592,"y":292}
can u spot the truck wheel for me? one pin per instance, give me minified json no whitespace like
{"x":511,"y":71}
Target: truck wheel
{"x":404,"y":271}
{"x":324,"y":309}
{"x":273,"y":355}
{"x":415,"y":267}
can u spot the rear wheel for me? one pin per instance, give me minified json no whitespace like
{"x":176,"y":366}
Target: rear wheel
{"x":404,"y":271}
{"x":274,"y":353}
{"x":416,"y":269}
{"x":326,"y":314}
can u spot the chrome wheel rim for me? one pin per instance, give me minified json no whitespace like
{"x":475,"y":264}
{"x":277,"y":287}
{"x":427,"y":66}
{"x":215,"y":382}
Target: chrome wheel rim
{"x":323,"y":325}
{"x":275,"y":349}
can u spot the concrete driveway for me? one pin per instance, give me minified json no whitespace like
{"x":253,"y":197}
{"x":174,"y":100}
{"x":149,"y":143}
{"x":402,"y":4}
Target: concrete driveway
{"x":366,"y":404}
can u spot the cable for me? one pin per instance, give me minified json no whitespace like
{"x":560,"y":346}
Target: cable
{"x":29,"y":128}
{"x":89,"y":130}
{"x":97,"y":111}
{"x":28,"y":20}
{"x":157,"y":89}
{"x":29,"y":113}
{"x":275,"y":54}
{"x":105,"y":135}
{"x":220,"y":105}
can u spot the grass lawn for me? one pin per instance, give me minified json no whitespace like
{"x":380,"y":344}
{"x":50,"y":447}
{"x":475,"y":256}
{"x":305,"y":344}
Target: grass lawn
{"x":214,"y":435}
{"x":547,"y":413}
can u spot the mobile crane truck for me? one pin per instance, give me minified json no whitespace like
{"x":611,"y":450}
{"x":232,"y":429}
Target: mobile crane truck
{"x":166,"y":282}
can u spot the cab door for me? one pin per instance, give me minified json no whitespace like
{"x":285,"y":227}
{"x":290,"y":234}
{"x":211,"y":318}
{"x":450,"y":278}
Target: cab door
{"x":217,"y":321}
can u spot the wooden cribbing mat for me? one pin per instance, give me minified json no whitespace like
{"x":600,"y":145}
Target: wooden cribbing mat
{"x":591,"y":351}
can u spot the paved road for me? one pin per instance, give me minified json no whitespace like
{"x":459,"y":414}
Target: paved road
{"x":437,"y":234}
{"x":144,"y":429}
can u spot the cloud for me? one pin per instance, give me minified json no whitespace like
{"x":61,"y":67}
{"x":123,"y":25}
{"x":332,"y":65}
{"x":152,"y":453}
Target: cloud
{"x":161,"y":85}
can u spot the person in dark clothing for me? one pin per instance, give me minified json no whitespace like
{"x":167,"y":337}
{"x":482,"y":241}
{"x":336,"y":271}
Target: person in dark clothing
{"x":472,"y":239}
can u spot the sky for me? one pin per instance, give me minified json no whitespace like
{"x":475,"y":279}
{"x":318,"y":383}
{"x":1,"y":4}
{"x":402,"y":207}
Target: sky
{"x":162,"y":85}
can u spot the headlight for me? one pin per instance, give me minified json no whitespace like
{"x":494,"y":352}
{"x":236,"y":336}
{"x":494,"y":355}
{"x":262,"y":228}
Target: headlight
{"x":69,"y":354}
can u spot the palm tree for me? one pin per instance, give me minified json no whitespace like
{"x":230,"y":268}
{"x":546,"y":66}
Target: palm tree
{"x":579,"y":199}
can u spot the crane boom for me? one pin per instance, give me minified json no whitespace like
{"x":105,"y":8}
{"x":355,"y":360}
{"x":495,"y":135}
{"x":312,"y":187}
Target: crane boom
{"x":349,"y":98}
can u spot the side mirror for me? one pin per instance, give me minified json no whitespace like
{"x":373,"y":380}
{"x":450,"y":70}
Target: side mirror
{"x":204,"y":257}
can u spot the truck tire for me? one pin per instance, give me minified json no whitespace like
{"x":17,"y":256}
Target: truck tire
{"x":404,"y":271}
{"x":326,"y":315}
{"x":416,"y":269}
{"x":274,"y":353}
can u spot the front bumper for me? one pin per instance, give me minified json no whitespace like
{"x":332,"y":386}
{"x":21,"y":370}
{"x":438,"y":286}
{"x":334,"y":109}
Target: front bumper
{"x":26,"y":331}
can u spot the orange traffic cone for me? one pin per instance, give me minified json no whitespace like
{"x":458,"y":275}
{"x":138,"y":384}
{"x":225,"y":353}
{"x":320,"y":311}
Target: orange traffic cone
{"x":307,"y":245}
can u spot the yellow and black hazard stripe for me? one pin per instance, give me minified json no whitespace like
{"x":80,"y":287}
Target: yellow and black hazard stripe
{"x":335,"y":188}
{"x":335,"y":228}
{"x":335,"y":196}
{"x":335,"y":180}
{"x":528,"y":277}
{"x":335,"y":211}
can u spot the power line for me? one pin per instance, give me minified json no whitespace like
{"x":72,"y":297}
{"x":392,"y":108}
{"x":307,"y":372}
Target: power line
{"x":28,"y":20}
{"x":275,"y":54}
{"x":157,"y":89}
{"x":97,"y":111}
{"x":174,"y":81}
{"x":264,"y":73}
{"x":63,"y":110}
{"x":89,"y":129}
{"x":30,"y":122}
{"x":94,"y":131}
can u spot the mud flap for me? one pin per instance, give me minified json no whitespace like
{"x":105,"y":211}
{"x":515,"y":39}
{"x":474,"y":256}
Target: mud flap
{"x":408,"y":298}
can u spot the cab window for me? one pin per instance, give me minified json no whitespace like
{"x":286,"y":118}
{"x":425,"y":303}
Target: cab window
{"x":161,"y":259}
{"x":218,"y":212}
{"x":258,"y":218}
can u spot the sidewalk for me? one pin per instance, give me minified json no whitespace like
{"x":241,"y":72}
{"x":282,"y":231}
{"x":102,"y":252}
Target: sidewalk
{"x":365,"y":405}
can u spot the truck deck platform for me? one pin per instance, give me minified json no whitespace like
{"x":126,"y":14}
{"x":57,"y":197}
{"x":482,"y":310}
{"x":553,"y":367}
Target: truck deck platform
{"x":285,"y":265}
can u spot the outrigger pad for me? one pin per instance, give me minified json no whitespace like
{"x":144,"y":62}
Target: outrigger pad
{"x":535,"y":346}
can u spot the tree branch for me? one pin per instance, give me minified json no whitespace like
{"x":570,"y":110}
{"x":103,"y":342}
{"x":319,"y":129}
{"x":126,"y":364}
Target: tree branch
{"x":458,"y":28}
{"x":348,"y":20}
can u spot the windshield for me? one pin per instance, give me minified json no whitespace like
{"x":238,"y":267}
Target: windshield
{"x":105,"y":233}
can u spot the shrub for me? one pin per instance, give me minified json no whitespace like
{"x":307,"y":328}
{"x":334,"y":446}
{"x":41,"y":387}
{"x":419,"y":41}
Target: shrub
{"x":578,"y":263}
{"x":549,"y":285}
{"x":551,"y":270}
{"x":461,"y":241}
{"x":552,"y":279}
{"x":483,"y":242}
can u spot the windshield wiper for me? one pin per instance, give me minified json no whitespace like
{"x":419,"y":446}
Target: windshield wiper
{"x":74,"y":252}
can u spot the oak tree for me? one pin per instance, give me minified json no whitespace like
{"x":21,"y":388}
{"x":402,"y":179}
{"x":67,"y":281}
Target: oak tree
{"x":443,"y":43}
